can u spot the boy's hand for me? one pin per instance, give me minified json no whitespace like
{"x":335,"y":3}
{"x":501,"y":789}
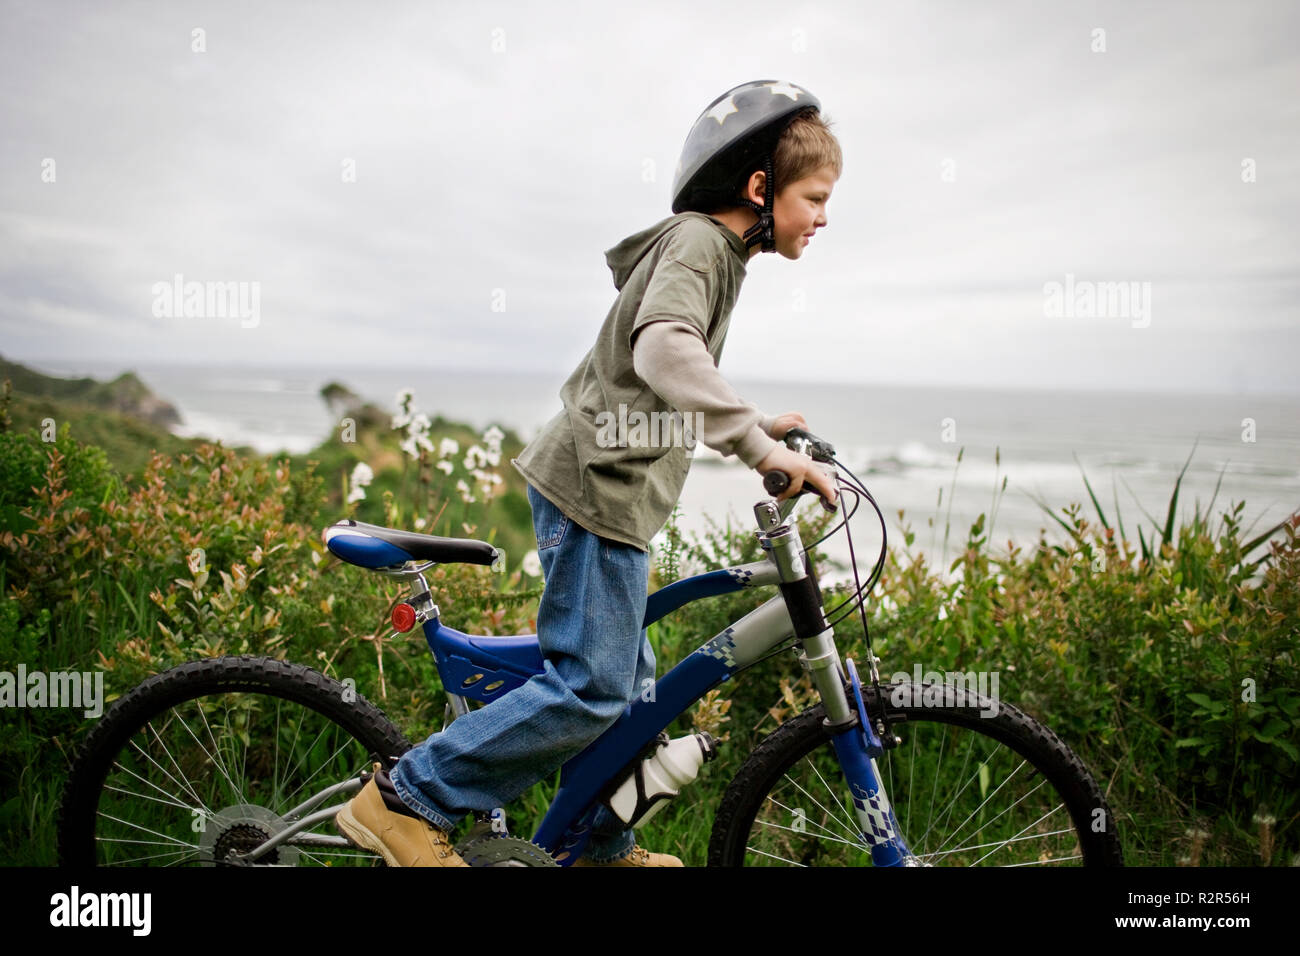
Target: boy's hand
{"x":800,"y":468}
{"x":783,"y":423}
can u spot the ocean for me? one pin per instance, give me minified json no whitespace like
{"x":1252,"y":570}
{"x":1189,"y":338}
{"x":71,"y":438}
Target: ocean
{"x":902,"y":442}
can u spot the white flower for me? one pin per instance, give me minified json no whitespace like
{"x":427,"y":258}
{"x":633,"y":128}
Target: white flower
{"x":408,"y":446}
{"x":404,"y":399}
{"x":362,"y":475}
{"x":493,"y":437}
{"x":419,"y":523}
{"x":423,"y":442}
{"x":475,"y":457}
{"x":445,"y":467}
{"x":420,"y":422}
{"x":532,"y":564}
{"x":493,"y":457}
{"x":464,"y":492}
{"x":448,"y":447}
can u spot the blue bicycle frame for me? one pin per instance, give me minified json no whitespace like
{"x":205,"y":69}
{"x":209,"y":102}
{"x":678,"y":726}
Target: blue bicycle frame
{"x":484,"y":668}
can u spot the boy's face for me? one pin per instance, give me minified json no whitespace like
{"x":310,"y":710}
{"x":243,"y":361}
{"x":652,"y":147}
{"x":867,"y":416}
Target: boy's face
{"x":800,"y":210}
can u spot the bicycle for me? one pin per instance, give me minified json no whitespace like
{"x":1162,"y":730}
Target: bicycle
{"x":155,"y":774}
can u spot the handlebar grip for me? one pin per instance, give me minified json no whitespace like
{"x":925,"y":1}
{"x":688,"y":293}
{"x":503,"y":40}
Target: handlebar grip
{"x":775,"y":482}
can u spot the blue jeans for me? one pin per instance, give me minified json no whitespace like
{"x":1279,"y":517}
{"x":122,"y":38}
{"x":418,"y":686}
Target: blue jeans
{"x":596,"y":656}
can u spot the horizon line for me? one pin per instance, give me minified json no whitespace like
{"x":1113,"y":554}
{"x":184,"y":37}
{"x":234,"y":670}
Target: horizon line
{"x":824,"y":383}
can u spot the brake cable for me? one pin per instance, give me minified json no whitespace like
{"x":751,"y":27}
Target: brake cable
{"x":859,"y":490}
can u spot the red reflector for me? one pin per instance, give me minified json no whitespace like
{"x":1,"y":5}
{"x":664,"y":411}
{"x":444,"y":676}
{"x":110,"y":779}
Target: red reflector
{"x":403,"y":617}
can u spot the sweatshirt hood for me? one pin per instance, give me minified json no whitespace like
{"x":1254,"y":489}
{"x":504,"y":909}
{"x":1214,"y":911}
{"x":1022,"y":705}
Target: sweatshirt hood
{"x":623,"y":258}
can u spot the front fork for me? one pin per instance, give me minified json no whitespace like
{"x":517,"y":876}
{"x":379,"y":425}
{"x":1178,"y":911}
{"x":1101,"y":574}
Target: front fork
{"x":856,"y":746}
{"x":855,"y":741}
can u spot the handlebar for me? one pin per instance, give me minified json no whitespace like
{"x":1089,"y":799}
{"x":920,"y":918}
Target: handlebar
{"x":797,"y":439}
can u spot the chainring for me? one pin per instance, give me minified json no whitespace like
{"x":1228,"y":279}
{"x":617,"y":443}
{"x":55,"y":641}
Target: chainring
{"x":500,"y":850}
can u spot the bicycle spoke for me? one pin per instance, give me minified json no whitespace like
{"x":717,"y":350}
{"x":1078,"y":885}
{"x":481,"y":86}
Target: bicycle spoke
{"x":833,"y":839}
{"x":911,"y":768}
{"x":186,"y":725}
{"x":293,"y":745}
{"x":332,"y":756}
{"x":773,"y":856}
{"x":831,"y":791}
{"x":852,"y":830}
{"x":144,"y":842}
{"x":145,"y":796}
{"x":986,"y":799}
{"x":275,"y":757}
{"x":150,"y":783}
{"x":965,"y":763}
{"x":170,"y":756}
{"x":979,"y":800}
{"x":1059,"y":859}
{"x":136,"y":826}
{"x":306,"y":753}
{"x":163,"y":770}
{"x":994,"y":819}
{"x":156,"y":856}
{"x":221,"y":764}
{"x":829,"y":834}
{"x":1007,"y":842}
{"x":934,"y":787}
{"x":981,"y":846}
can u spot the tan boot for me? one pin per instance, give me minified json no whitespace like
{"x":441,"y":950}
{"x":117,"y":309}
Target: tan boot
{"x":399,"y":839}
{"x":638,"y":857}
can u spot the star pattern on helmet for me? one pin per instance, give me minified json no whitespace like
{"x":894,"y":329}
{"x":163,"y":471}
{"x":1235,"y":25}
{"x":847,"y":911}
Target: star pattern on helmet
{"x":723,"y":109}
{"x":784,"y":89}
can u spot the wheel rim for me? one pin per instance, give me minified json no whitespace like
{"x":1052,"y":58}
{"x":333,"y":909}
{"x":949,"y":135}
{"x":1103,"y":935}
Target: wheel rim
{"x":214,"y":776}
{"x":960,"y":797}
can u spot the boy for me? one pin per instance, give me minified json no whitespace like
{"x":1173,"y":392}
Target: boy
{"x":758,"y":167}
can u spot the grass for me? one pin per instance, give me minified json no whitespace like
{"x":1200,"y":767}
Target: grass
{"x":1167,"y":663}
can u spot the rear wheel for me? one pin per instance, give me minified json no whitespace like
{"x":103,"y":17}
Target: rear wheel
{"x":206,"y":761}
{"x":968,"y":788}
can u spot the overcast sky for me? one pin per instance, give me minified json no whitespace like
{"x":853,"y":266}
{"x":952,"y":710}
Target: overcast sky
{"x":500,"y":149}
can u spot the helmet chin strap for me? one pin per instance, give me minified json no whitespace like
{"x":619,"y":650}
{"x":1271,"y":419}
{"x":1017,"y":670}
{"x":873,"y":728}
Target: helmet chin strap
{"x":765,"y":229}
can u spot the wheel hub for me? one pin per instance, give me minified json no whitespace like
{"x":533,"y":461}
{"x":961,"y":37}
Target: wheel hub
{"x":237,"y":830}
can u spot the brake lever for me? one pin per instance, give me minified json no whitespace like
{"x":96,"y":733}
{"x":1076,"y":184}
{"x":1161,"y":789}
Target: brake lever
{"x":816,"y":448}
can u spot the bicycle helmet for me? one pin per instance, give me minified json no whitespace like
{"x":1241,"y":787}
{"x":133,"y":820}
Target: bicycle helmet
{"x":735,"y":134}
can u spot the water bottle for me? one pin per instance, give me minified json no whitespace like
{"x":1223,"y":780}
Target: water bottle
{"x":661,"y":776}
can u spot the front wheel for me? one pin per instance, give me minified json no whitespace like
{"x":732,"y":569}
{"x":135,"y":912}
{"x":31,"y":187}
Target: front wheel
{"x":973,"y":783}
{"x":207,"y":761}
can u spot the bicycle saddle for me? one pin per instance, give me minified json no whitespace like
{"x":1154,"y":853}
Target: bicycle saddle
{"x":372,"y":546}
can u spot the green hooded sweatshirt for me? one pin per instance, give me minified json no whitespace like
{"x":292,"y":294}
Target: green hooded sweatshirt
{"x":687,"y":268}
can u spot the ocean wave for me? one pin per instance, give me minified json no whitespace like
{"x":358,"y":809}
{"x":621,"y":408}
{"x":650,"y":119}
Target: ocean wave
{"x":234,"y":432}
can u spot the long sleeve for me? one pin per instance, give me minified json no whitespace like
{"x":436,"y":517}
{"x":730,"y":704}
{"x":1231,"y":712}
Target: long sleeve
{"x":672,"y":359}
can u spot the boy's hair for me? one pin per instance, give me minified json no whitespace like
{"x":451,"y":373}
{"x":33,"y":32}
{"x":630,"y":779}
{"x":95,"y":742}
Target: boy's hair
{"x":806,"y":145}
